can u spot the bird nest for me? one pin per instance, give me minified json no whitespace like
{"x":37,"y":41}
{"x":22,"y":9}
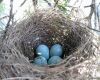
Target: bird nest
{"x":44,"y":27}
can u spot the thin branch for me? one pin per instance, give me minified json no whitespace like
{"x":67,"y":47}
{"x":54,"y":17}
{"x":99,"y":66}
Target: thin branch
{"x":10,"y":13}
{"x":72,"y":7}
{"x":98,"y":16}
{"x":93,"y":29}
{"x":35,"y":2}
{"x":10,"y":18}
{"x":92,"y":6}
{"x":19,"y":7}
{"x":2,"y":23}
{"x":4,"y":17}
{"x":48,"y":2}
{"x":95,"y":14}
{"x":56,"y":2}
{"x":18,"y":78}
{"x":92,"y":10}
{"x":23,"y":3}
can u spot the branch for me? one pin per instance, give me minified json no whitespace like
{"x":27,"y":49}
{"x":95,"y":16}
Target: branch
{"x":98,"y":14}
{"x":10,"y":18}
{"x":48,"y":2}
{"x":3,"y":17}
{"x":92,"y":6}
{"x":10,"y":13}
{"x":34,"y":3}
{"x":23,"y":3}
{"x":93,"y":29}
{"x":56,"y":2}
{"x":20,"y":78}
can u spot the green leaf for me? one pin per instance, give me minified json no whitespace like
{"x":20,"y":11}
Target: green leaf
{"x":61,"y":7}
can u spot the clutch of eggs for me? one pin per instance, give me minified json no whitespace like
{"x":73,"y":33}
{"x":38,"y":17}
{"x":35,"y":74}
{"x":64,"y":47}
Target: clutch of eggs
{"x":53,"y":56}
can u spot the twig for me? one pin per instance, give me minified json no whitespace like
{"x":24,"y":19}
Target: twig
{"x":98,"y":16}
{"x":23,"y":3}
{"x":93,"y":29}
{"x":19,"y":7}
{"x":35,"y":2}
{"x":95,"y":14}
{"x":10,"y":18}
{"x":73,"y":8}
{"x":91,"y":12}
{"x":10,"y":14}
{"x":22,"y":78}
{"x":56,"y":2}
{"x":2,"y":23}
{"x":3,"y":17}
{"x":48,"y":2}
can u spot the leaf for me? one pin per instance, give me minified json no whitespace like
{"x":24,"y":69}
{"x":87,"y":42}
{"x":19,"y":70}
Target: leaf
{"x":61,"y":7}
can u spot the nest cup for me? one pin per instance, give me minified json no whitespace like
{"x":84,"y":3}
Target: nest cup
{"x":48,"y":27}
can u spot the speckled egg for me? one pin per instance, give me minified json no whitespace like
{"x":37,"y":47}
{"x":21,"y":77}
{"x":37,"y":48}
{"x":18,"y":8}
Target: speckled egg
{"x":56,"y":50}
{"x":40,"y":60}
{"x":43,"y":50}
{"x":54,"y":60}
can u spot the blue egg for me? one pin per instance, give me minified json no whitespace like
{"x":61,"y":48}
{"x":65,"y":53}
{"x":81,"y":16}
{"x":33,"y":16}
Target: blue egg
{"x":43,"y":50}
{"x":56,"y":50}
{"x":40,"y":60}
{"x":54,"y":60}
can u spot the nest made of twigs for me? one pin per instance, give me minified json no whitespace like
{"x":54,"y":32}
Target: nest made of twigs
{"x":46,"y":27}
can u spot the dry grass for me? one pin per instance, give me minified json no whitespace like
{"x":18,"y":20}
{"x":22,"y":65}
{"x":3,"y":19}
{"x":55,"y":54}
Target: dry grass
{"x":46,"y":27}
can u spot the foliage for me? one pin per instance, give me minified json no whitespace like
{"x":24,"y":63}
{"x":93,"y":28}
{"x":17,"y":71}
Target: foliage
{"x":63,"y":6}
